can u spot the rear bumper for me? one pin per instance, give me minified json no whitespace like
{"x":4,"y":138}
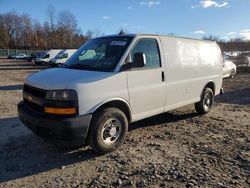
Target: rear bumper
{"x":66,"y":131}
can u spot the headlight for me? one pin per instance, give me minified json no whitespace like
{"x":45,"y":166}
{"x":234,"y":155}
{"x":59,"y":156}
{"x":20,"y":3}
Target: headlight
{"x":61,"y":95}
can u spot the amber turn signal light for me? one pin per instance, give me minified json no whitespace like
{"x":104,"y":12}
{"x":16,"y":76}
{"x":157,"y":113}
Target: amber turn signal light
{"x":61,"y":111}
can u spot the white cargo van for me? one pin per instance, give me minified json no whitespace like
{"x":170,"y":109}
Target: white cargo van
{"x":46,"y":57}
{"x":114,"y":80}
{"x":62,"y":57}
{"x":57,"y":56}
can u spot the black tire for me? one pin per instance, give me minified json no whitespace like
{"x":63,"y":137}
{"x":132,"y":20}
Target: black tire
{"x":206,"y":102}
{"x":104,"y":125}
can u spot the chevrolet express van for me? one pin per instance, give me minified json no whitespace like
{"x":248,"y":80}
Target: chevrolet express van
{"x":112,"y":81}
{"x":46,"y":57}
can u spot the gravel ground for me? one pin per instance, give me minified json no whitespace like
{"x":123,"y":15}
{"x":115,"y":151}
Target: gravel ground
{"x":178,"y":148}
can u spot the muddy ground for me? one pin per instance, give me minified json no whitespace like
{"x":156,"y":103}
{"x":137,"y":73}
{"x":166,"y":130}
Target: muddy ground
{"x":178,"y":148}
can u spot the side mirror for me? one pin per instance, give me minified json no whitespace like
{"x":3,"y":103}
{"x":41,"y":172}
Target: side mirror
{"x":139,"y":60}
{"x":127,"y":64}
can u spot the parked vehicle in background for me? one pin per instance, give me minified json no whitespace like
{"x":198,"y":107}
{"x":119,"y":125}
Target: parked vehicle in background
{"x":57,"y":56}
{"x":112,"y":81}
{"x":229,"y":69}
{"x":34,"y":56}
{"x":11,"y":56}
{"x":62,"y":57}
{"x":21,"y":57}
{"x":241,"y":59}
{"x":46,"y":57}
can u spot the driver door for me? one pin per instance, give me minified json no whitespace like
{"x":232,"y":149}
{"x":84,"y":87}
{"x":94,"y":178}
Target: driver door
{"x":146,"y":85}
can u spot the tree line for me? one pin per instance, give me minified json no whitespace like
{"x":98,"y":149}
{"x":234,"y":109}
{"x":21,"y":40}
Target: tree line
{"x":60,"y":31}
{"x":21,"y":32}
{"x":235,"y":44}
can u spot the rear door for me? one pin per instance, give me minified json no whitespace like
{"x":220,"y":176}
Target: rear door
{"x":146,"y":85}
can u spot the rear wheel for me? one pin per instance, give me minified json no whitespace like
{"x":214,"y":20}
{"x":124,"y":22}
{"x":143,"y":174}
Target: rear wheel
{"x":206,"y":102}
{"x":108,"y":130}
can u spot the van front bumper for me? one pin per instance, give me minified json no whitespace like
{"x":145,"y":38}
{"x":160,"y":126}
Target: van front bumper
{"x":71,"y":131}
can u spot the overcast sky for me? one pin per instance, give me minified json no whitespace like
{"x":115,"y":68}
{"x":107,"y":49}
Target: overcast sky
{"x":192,"y":18}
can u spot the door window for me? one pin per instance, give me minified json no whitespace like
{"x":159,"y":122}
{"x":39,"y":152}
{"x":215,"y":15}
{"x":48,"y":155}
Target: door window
{"x":150,"y":48}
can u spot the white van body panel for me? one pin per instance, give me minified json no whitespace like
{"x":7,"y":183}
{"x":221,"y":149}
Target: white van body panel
{"x":181,"y":72}
{"x":211,"y":64}
{"x":186,"y":73}
{"x":92,"y":94}
{"x":187,"y":65}
{"x":52,"y":54}
{"x":146,"y":93}
{"x":91,"y":86}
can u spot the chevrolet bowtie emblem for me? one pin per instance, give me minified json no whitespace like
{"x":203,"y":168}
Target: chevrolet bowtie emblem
{"x":29,"y":98}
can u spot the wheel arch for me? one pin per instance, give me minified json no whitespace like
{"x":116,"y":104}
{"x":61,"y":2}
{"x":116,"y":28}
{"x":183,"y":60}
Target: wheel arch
{"x":119,"y":103}
{"x":210,"y":85}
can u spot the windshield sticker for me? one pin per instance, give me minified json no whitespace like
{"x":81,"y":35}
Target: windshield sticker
{"x":118,"y":43}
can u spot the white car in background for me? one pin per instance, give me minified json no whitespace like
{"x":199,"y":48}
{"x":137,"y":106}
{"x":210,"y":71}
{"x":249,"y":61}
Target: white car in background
{"x":229,"y":69}
{"x":21,"y":57}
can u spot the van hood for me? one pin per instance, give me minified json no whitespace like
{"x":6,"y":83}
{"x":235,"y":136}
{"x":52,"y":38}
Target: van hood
{"x":60,"y":78}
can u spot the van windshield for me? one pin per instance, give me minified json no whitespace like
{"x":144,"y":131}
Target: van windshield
{"x":101,"y":54}
{"x":60,"y":54}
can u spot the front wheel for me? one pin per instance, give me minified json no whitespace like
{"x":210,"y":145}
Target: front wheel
{"x":206,"y":102}
{"x":107,"y":130}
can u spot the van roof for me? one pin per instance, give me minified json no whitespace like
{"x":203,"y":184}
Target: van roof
{"x":153,"y":35}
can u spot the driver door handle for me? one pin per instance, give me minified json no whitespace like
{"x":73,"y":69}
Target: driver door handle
{"x":162,"y":76}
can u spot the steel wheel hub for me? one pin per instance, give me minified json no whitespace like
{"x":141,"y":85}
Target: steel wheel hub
{"x":111,"y":131}
{"x":207,"y":101}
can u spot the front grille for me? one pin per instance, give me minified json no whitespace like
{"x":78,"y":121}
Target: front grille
{"x":34,"y":106}
{"x":39,"y":93}
{"x":34,"y":99}
{"x":34,"y":91}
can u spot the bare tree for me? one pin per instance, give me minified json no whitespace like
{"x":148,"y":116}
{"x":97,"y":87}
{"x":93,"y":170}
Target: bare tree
{"x":4,"y":35}
{"x":26,"y":31}
{"x":12,"y":24}
{"x":51,"y":12}
{"x":19,"y":31}
{"x":89,"y":34}
{"x":67,"y":28}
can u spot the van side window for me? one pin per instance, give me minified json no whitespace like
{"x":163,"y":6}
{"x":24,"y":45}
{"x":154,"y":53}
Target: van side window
{"x":150,"y":48}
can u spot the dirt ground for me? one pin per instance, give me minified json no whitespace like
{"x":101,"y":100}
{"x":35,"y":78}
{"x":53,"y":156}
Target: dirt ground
{"x":178,"y":148}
